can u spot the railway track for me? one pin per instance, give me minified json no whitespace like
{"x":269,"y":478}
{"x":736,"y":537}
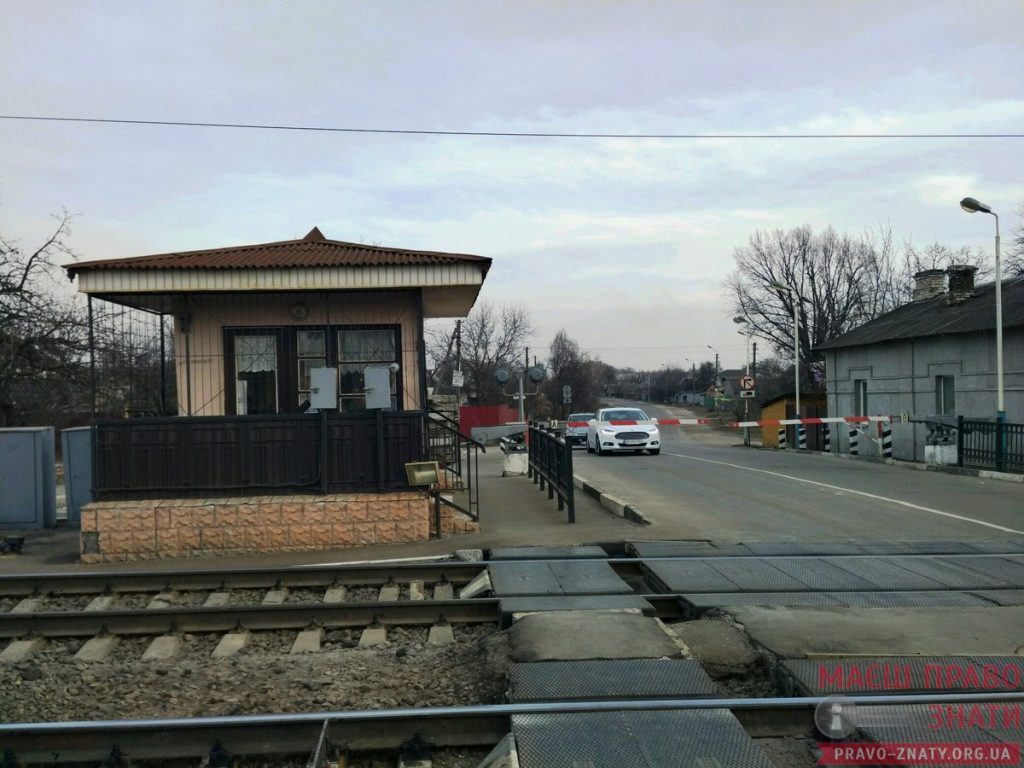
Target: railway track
{"x":305,"y":735}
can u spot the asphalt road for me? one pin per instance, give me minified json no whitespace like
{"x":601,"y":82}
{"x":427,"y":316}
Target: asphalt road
{"x":703,"y":487}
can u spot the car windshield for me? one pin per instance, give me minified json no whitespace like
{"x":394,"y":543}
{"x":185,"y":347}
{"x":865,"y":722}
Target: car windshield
{"x":580,"y":417}
{"x":624,"y":414}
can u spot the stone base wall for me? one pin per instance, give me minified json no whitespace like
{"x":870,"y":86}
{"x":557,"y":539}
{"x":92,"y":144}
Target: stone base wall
{"x":115,"y":531}
{"x":453,"y":523}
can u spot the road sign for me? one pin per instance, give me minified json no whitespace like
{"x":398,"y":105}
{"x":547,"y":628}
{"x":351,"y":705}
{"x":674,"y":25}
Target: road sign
{"x":747,"y":393}
{"x":746,"y":381}
{"x":566,"y":394}
{"x":457,"y":379}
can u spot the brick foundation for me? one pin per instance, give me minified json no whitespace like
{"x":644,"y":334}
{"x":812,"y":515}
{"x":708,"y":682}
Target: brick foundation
{"x":114,"y":531}
{"x":453,"y":523}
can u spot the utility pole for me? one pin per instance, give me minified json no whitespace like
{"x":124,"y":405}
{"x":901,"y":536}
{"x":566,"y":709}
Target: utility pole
{"x":753,"y":362}
{"x":458,"y":359}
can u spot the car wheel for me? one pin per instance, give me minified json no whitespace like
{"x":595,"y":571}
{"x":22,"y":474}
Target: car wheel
{"x":655,"y":451}
{"x":589,"y":449}
{"x":601,"y":451}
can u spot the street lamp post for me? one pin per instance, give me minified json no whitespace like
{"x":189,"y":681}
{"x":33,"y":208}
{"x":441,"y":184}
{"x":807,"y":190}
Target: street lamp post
{"x":796,"y":352}
{"x":741,"y":320}
{"x":715,"y":382}
{"x":971,"y":205}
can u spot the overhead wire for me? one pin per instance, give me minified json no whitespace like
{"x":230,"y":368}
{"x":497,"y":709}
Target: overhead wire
{"x":500,"y":134}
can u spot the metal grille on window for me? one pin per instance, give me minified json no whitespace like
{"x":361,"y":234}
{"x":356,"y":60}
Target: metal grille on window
{"x":255,"y":374}
{"x":311,"y":352}
{"x":356,"y":350}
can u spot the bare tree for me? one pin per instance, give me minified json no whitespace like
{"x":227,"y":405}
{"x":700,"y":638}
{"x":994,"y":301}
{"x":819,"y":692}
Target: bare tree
{"x":1013,"y":265}
{"x":492,"y":338}
{"x":837,"y":282}
{"x":42,"y":332}
{"x":567,"y":366}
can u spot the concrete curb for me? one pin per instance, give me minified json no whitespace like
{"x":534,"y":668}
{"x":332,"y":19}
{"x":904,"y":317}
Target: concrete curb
{"x":611,"y":503}
{"x":985,"y":474}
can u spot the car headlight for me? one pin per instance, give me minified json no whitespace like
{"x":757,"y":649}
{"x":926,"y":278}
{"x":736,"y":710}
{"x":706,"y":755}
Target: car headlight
{"x":607,"y":431}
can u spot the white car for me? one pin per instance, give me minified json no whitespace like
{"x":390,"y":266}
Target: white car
{"x":623,"y":429}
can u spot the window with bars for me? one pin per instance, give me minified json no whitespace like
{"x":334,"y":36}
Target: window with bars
{"x":310,"y":353}
{"x":358,"y":348}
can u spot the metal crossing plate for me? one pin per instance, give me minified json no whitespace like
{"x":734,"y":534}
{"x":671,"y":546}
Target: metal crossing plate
{"x":547,"y":553}
{"x":915,"y":599}
{"x":688,"y":576}
{"x":581,"y":577}
{"x":535,"y":603}
{"x":609,"y":679}
{"x":836,"y":573}
{"x":695,"y":739}
{"x":1002,"y":596}
{"x":686,"y":549}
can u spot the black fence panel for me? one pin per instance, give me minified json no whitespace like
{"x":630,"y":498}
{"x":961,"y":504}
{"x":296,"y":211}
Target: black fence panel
{"x":990,"y":445}
{"x":290,"y":453}
{"x":550,"y":463}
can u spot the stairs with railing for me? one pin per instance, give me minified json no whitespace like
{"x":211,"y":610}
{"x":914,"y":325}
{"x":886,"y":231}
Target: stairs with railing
{"x":458,"y":457}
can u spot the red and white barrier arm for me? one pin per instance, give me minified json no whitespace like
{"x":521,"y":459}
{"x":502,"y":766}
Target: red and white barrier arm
{"x":823,"y":420}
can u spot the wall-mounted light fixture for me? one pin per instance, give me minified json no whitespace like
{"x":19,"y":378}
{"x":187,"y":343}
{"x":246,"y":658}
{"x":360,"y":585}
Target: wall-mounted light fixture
{"x":422,"y":473}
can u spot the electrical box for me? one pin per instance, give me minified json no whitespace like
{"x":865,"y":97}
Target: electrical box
{"x":76,"y":448}
{"x":28,"y":487}
{"x":324,"y":388}
{"x":377,"y":385}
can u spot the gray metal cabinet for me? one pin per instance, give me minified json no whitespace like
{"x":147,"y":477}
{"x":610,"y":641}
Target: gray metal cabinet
{"x":76,"y":448}
{"x":28,"y":493}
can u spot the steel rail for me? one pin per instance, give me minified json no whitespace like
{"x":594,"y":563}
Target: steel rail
{"x":455,"y":572}
{"x":156,"y":621}
{"x":159,"y":621}
{"x":70,"y":583}
{"x":478,"y":725}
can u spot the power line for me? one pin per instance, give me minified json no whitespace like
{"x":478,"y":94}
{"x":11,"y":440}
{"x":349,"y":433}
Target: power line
{"x":507,"y":134}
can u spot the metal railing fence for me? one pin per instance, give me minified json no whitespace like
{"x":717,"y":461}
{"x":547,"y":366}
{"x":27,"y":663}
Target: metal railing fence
{"x":990,"y":444}
{"x":445,"y":444}
{"x":550,"y":464}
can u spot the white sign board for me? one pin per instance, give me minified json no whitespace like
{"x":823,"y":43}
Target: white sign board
{"x":747,"y":393}
{"x":457,"y":379}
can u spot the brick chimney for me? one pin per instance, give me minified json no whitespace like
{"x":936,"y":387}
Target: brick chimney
{"x":928,"y":284}
{"x":961,"y":283}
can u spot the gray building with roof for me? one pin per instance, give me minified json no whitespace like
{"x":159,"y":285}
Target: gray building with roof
{"x":934,"y":355}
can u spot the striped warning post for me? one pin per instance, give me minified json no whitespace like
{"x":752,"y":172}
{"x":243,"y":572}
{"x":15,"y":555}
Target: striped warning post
{"x":801,"y":437}
{"x":886,"y":441}
{"x":782,"y":438}
{"x":827,"y":441}
{"x":854,"y":438}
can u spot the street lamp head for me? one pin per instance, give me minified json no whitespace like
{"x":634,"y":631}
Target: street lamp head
{"x":971,"y":205}
{"x":740,"y":319}
{"x":780,"y":287}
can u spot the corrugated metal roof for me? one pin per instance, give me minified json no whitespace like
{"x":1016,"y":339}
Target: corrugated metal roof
{"x":936,"y":317}
{"x":314,"y":250}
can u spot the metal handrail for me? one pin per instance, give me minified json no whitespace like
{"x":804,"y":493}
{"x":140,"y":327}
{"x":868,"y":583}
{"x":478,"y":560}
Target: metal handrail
{"x":550,"y":462}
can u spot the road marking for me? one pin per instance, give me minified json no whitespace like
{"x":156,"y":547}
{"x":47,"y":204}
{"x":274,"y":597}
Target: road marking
{"x":907,"y":504}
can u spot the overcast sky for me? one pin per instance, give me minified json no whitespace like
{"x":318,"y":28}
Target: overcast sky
{"x":624,"y":243}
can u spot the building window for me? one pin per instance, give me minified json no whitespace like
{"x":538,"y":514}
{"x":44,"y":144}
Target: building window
{"x":310,"y":353}
{"x":945,"y":395}
{"x":860,"y":397}
{"x":357,"y":349}
{"x":255,"y":374}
